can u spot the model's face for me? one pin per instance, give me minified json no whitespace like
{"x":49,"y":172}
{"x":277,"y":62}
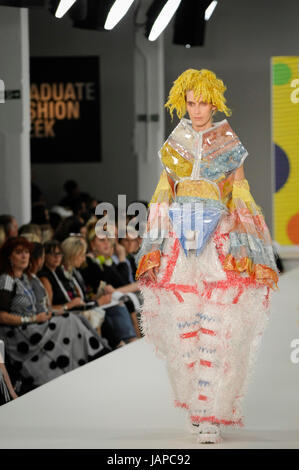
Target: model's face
{"x":200,"y":113}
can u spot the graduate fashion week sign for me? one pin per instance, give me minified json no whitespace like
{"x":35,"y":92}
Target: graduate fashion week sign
{"x":65,"y":109}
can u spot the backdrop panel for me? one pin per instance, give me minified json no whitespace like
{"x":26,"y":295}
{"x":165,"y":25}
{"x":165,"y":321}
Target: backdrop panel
{"x":65,"y":109}
{"x":285,"y":132}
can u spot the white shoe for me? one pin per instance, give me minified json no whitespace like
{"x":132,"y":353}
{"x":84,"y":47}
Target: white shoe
{"x":209,"y":433}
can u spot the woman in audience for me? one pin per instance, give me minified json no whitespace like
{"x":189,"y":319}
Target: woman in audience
{"x":100,"y":266}
{"x":67,"y":288}
{"x":58,"y":298}
{"x":10,"y":225}
{"x":57,"y":288}
{"x":40,"y":346}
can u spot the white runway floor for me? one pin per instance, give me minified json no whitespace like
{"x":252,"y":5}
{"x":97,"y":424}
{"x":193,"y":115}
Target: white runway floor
{"x":124,"y":401}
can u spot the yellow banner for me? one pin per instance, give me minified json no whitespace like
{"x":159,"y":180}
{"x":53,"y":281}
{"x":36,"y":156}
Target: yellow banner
{"x":285,"y":134}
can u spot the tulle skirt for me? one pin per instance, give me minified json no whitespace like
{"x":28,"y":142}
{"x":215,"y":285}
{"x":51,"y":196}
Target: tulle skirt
{"x":207,"y":324}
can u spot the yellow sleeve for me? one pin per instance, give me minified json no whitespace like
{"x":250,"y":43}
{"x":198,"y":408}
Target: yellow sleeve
{"x":149,"y":253}
{"x":250,"y":248}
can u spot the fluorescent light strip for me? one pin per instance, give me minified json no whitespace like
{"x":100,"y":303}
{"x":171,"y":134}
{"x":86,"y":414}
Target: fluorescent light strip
{"x":210,"y":9}
{"x":163,"y":18}
{"x":117,"y":12}
{"x":63,"y":7}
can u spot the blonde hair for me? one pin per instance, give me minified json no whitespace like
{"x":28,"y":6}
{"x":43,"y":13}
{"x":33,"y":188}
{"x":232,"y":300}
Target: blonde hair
{"x":72,"y":247}
{"x":32,"y":232}
{"x":202,"y":82}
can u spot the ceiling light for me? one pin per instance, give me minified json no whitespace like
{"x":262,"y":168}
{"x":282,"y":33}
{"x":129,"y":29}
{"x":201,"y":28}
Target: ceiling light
{"x":210,"y":9}
{"x":158,"y":16}
{"x":63,"y":7}
{"x":117,"y":12}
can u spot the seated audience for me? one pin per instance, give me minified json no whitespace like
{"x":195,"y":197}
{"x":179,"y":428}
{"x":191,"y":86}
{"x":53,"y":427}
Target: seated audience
{"x":66,"y":286}
{"x":101,"y":267}
{"x":40,"y":346}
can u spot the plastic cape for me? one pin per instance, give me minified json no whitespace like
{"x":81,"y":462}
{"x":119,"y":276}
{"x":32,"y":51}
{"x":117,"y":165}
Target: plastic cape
{"x":249,"y":251}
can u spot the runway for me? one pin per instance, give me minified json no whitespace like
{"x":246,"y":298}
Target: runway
{"x":124,"y":401}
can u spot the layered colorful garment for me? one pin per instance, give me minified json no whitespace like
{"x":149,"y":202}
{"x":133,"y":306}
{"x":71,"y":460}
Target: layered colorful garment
{"x":207,"y":311}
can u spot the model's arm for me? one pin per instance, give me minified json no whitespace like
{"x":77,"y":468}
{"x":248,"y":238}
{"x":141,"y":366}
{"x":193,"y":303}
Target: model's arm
{"x":250,"y":247}
{"x":239,"y":174}
{"x":149,"y":254}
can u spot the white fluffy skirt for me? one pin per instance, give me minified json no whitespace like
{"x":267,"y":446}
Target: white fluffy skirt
{"x":207,"y":324}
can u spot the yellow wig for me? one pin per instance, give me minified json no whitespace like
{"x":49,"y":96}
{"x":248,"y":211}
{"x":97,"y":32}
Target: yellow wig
{"x":202,"y":82}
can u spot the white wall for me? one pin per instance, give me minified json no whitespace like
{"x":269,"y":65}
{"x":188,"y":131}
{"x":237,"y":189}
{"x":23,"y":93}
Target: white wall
{"x":15,"y":115}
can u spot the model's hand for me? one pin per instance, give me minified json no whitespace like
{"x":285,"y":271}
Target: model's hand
{"x":151,"y":274}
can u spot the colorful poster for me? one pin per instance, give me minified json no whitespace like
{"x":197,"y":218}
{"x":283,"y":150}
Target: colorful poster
{"x":65,"y":109}
{"x":285,"y":136}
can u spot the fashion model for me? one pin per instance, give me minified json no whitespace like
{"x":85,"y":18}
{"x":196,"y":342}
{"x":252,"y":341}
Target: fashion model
{"x":206,"y":267}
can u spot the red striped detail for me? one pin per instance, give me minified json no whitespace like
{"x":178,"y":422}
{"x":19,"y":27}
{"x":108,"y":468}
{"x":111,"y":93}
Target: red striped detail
{"x":191,"y":364}
{"x":240,"y":292}
{"x":207,"y":332}
{"x":172,"y":261}
{"x":165,"y":281}
{"x":213,"y":419}
{"x":266,"y":300}
{"x":202,"y":397}
{"x":205,"y":363}
{"x":180,"y":404}
{"x":191,"y":334}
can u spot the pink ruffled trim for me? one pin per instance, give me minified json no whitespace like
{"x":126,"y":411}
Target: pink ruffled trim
{"x":212,"y":419}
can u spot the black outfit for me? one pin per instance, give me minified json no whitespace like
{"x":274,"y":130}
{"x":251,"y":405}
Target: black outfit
{"x":58,"y":296}
{"x":133,"y":264}
{"x":117,"y":274}
{"x":117,"y":325}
